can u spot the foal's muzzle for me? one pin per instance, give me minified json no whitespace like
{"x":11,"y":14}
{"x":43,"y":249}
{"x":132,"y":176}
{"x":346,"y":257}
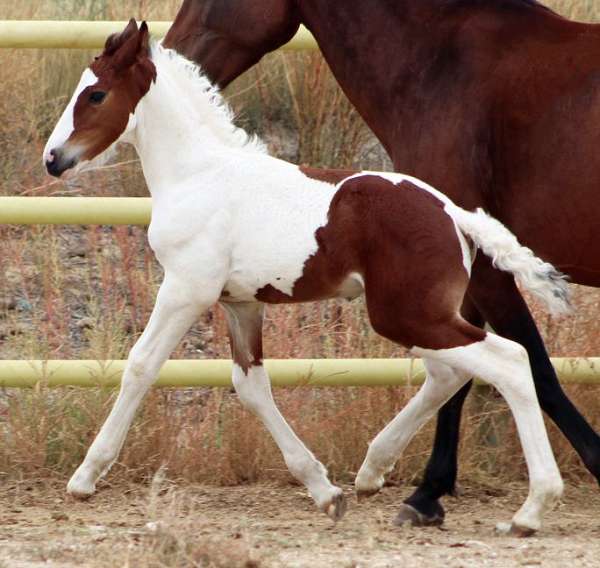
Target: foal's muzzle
{"x":57,"y":164}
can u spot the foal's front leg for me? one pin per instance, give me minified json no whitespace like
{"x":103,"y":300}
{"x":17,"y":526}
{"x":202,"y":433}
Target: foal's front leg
{"x":253,"y":386}
{"x":176,"y":310}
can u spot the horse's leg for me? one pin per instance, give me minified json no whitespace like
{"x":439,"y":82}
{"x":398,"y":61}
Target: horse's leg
{"x":253,"y":386}
{"x":423,"y":507}
{"x":497,"y":298}
{"x":505,"y":365}
{"x":175,"y":311}
{"x":440,"y":384}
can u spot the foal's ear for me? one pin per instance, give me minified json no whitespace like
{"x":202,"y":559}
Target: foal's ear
{"x":134,"y":46}
{"x":144,"y":39}
{"x":116,"y":40}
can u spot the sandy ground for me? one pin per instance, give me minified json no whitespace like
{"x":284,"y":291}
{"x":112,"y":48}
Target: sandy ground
{"x":274,"y":526}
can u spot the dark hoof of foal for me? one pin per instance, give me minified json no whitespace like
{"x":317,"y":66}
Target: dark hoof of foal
{"x":512,"y":529}
{"x":336,"y":508}
{"x":409,"y":515}
{"x":363,"y":495}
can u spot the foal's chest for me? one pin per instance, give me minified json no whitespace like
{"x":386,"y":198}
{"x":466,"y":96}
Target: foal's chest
{"x":271,"y":244}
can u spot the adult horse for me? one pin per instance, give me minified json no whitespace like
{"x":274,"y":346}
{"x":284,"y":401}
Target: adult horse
{"x":496,"y":103}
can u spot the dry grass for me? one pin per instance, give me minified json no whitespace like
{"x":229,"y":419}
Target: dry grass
{"x":68,"y":292}
{"x":582,"y":10}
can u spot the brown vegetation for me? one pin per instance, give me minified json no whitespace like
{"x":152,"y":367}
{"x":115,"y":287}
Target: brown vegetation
{"x":86,"y":292}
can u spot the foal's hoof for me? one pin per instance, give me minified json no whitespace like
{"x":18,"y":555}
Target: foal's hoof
{"x":79,"y":495}
{"x":335,"y":509}
{"x":363,"y":494}
{"x":512,"y":529}
{"x":80,"y":490}
{"x":409,"y":515}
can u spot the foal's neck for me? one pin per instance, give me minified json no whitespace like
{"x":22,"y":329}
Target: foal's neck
{"x":183,"y":127}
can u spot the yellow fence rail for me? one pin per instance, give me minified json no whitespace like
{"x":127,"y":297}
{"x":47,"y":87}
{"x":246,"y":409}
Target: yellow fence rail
{"x":283,"y":372}
{"x":92,"y":35}
{"x":75,"y":210}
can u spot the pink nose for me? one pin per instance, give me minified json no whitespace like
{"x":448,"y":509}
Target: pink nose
{"x":50,"y":158}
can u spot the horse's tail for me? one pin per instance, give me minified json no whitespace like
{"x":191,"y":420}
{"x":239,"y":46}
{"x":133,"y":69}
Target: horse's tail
{"x":497,"y":242}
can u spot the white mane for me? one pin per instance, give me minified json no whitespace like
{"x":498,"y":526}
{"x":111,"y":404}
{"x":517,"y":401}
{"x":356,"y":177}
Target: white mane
{"x":207,"y":103}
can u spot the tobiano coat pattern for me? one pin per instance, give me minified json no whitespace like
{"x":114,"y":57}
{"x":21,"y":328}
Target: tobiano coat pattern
{"x":231,"y":224}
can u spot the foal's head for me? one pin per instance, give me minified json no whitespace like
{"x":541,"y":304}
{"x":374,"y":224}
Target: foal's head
{"x":101,"y":109}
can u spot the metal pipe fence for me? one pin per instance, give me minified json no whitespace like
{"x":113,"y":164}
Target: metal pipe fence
{"x":92,"y":35}
{"x":283,"y":372}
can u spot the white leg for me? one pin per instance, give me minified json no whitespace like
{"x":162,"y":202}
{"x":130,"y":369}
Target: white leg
{"x":440,"y":384}
{"x":505,"y":365}
{"x":175,"y":311}
{"x":253,"y":386}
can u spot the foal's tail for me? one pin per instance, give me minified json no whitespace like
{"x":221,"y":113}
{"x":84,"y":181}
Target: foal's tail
{"x":497,"y":242}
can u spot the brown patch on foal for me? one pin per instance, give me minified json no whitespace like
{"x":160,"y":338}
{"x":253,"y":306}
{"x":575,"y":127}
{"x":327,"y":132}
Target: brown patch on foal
{"x":405,"y":246}
{"x":244,"y":324}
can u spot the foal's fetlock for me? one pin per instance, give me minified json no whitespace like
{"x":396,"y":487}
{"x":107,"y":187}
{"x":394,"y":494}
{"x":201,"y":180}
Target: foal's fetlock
{"x":543,"y":495}
{"x":547,"y":493}
{"x":83,"y":482}
{"x":367,"y":483}
{"x":81,"y":485}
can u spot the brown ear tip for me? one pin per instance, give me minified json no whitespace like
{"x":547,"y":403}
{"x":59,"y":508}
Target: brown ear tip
{"x":144,"y":26}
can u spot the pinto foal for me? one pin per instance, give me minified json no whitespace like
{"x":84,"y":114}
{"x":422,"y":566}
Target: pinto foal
{"x":233,"y":225}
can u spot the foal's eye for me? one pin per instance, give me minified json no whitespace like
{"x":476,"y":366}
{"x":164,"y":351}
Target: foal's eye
{"x":96,"y":97}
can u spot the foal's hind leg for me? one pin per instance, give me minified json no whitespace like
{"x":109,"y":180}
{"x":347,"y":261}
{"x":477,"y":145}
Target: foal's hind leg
{"x":505,"y":364}
{"x":176,"y":309}
{"x":423,"y":507}
{"x":499,"y":301}
{"x":253,"y":386}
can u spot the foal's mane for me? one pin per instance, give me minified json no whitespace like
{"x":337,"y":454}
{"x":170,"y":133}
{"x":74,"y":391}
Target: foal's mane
{"x":207,"y":101}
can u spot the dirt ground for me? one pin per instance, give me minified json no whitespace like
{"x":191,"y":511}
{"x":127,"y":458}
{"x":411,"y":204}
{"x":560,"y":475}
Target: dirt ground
{"x":276,"y":526}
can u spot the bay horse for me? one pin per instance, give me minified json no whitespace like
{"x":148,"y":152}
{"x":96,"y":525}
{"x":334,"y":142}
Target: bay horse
{"x":233,"y":225}
{"x":496,"y":103}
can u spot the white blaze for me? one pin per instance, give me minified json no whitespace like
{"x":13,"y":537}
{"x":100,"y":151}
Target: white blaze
{"x":64,"y":127}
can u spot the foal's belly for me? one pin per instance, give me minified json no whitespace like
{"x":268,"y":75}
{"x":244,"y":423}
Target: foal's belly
{"x":350,"y":287}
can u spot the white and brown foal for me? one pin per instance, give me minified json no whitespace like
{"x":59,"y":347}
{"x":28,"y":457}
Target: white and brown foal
{"x":231,"y":224}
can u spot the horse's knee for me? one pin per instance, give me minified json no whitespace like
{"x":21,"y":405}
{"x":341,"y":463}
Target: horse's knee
{"x":513,"y":362}
{"x":253,"y":387}
{"x":139,"y":370}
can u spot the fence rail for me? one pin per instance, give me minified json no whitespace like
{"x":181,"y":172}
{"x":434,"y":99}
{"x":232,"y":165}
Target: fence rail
{"x":92,"y":35}
{"x":75,"y":210}
{"x":283,"y":372}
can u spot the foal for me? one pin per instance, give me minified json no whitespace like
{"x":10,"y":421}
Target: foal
{"x":233,"y":225}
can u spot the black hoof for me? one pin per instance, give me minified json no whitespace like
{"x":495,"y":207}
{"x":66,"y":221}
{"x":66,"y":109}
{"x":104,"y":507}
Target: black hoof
{"x":409,"y":515}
